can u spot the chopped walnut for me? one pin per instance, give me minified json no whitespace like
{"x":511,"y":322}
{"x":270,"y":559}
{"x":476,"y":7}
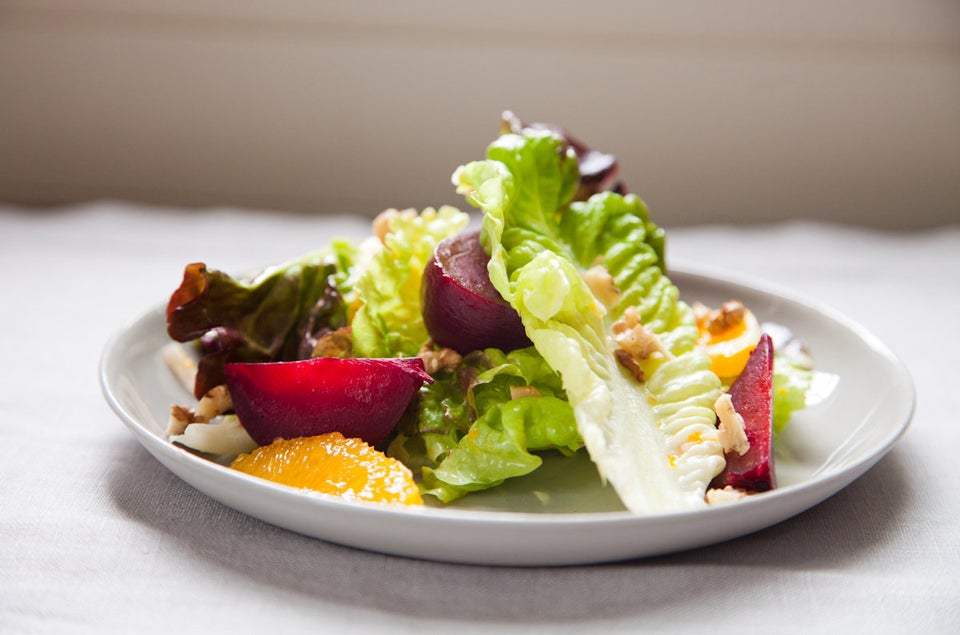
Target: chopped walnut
{"x":216,"y":402}
{"x":381,"y":224}
{"x":437,"y":359}
{"x":338,"y":343}
{"x":730,"y":314}
{"x":632,"y":365}
{"x":728,"y":494}
{"x":180,"y":418}
{"x":732,"y":436}
{"x":635,"y":339}
{"x":601,"y":284}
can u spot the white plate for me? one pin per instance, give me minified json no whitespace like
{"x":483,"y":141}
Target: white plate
{"x":561,"y":514}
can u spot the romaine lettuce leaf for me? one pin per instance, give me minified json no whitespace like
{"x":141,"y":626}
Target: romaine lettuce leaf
{"x":388,"y":322}
{"x":655,"y":441}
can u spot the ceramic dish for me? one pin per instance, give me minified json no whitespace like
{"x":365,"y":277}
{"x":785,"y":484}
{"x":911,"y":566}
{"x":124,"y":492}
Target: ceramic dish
{"x":561,"y":514}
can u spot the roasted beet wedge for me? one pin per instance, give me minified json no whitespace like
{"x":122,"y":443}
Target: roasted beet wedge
{"x":362,"y":398}
{"x":752,"y":397}
{"x":461,"y":309}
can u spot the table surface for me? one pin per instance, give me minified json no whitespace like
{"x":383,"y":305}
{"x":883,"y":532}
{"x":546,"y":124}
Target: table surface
{"x":96,"y":536}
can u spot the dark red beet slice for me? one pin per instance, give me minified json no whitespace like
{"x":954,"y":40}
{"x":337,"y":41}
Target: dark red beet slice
{"x":362,"y":398}
{"x":752,"y":397}
{"x":461,"y":308}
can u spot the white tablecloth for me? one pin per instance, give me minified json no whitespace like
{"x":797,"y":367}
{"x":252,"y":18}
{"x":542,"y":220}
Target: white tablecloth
{"x":96,"y":536}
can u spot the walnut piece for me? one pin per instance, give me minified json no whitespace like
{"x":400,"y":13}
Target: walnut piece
{"x":601,"y":285}
{"x":632,"y":365}
{"x":216,"y":402}
{"x":732,"y":435}
{"x":436,"y":359}
{"x":728,"y":494}
{"x":180,"y":418}
{"x":730,"y":314}
{"x":338,"y":343}
{"x":631,"y":336}
{"x":213,"y":404}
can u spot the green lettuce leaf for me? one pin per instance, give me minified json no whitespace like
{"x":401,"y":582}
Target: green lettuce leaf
{"x":483,"y":423}
{"x":655,"y":441}
{"x":388,"y":322}
{"x":792,"y":379}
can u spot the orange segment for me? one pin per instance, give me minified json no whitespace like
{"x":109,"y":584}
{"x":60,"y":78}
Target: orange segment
{"x":333,"y":464}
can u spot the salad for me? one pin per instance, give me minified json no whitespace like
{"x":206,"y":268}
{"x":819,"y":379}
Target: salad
{"x":467,"y":354}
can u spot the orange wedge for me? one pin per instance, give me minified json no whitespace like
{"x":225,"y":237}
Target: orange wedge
{"x":333,"y":464}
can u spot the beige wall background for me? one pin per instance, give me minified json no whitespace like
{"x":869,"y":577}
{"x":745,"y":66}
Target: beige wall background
{"x":719,"y":112}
